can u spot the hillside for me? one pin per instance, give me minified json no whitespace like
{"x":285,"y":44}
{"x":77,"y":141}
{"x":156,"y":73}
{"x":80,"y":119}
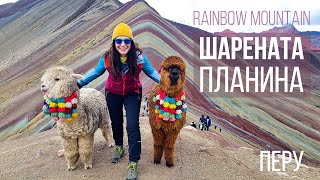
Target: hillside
{"x":76,"y":33}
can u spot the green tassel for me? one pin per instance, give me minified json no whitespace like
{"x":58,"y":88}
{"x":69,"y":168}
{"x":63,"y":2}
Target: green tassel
{"x":61,"y":115}
{"x":154,"y":99}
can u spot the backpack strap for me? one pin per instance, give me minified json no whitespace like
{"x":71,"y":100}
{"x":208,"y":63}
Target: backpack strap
{"x":107,"y":57}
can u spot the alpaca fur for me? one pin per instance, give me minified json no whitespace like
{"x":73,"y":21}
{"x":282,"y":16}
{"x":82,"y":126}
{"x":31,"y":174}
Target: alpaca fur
{"x":78,"y":134}
{"x":165,"y":133}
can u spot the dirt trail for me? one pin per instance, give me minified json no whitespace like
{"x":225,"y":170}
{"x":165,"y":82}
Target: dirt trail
{"x":199,"y":155}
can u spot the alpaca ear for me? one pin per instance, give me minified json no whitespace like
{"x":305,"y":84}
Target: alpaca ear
{"x":77,"y":76}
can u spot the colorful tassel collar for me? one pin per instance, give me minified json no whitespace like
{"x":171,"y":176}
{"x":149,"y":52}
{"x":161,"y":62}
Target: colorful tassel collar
{"x":168,"y":108}
{"x":61,"y":109}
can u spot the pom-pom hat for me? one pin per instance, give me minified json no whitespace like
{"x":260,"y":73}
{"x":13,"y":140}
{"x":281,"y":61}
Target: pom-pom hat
{"x":122,"y":29}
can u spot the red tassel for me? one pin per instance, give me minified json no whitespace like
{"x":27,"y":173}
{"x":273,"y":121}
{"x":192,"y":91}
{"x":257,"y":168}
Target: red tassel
{"x":68,"y":111}
{"x":179,"y":96}
{"x":166,"y":109}
{"x":52,"y":110}
{"x":172,"y":111}
{"x":61,"y":109}
{"x":73,"y":95}
{"x":162,"y":96}
{"x":68,"y":99}
{"x":158,"y":119}
{"x":74,"y":106}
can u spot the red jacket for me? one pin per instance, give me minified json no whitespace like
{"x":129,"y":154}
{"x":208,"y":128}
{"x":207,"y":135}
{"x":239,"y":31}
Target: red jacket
{"x":123,"y":84}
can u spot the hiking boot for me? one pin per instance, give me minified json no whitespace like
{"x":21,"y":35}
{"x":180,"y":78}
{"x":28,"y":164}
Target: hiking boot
{"x":118,"y":154}
{"x":132,"y":171}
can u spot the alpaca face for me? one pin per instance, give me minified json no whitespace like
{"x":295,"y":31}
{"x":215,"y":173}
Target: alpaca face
{"x":173,"y":73}
{"x":58,"y":82}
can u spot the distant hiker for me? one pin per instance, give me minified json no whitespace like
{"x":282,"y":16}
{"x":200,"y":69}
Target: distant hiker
{"x":208,"y":123}
{"x":124,"y":62}
{"x":147,"y":105}
{"x":146,"y":109}
{"x":202,"y":122}
{"x":200,"y":126}
{"x":193,"y":125}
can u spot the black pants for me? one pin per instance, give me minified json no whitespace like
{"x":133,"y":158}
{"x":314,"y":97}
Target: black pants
{"x":131,"y":104}
{"x":207,"y":128}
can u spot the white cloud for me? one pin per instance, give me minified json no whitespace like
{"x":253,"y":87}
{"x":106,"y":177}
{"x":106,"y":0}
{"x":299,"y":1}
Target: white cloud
{"x":7,"y":1}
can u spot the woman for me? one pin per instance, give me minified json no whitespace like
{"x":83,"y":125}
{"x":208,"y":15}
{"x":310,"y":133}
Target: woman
{"x":124,"y":62}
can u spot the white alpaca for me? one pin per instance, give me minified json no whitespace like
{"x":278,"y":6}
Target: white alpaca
{"x":78,"y":131}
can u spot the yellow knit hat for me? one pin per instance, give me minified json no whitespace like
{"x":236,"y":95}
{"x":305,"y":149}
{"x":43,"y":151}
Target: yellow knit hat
{"x":122,"y":29}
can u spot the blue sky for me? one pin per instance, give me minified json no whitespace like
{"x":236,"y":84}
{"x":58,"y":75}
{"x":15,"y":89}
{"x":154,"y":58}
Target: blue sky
{"x":182,"y":11}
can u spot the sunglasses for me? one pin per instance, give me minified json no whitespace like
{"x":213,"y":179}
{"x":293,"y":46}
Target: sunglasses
{"x":126,"y":41}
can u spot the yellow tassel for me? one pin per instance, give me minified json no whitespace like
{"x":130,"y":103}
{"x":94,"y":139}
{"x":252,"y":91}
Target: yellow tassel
{"x":166,"y":104}
{"x":156,"y":111}
{"x":160,"y":116}
{"x":61,"y":105}
{"x":75,"y":115}
{"x":53,"y":104}
{"x":68,"y":119}
{"x":172,"y":106}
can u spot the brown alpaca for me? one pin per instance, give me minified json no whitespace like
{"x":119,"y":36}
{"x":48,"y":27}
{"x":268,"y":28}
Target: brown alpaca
{"x":165,"y":132}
